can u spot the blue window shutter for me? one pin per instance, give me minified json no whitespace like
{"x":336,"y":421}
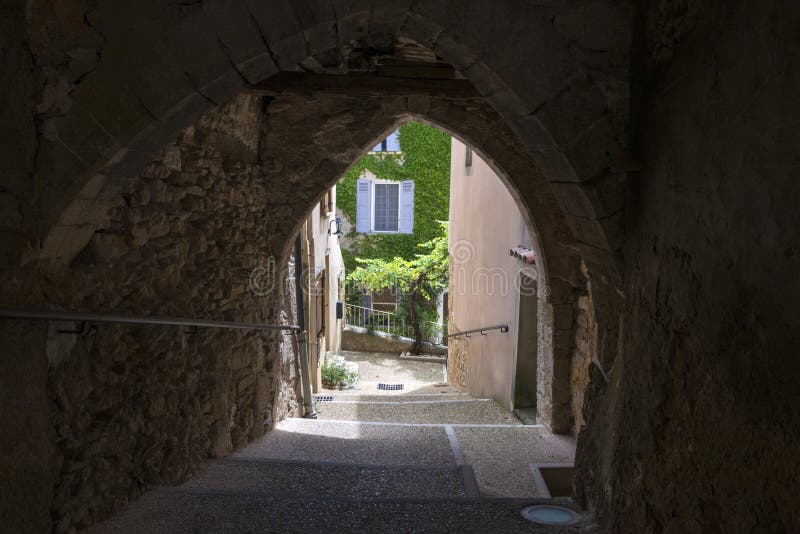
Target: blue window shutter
{"x":407,"y":207}
{"x":363,"y":207}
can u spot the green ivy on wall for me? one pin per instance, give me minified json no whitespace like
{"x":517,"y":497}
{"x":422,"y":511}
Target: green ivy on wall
{"x":426,"y":160}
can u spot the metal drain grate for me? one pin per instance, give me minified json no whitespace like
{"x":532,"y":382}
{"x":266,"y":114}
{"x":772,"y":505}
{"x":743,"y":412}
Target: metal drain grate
{"x":390,"y":387}
{"x":323,"y":398}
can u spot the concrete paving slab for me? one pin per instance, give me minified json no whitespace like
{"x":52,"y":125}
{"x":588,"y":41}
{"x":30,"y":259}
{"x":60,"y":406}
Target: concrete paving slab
{"x":399,"y":398}
{"x":305,"y":439}
{"x":281,"y":477}
{"x":501,"y":457}
{"x":477,"y":411}
{"x":176,"y":512}
{"x":374,"y":368}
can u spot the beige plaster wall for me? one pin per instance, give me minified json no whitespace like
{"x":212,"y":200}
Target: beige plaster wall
{"x":326,"y":267}
{"x":485,"y":223}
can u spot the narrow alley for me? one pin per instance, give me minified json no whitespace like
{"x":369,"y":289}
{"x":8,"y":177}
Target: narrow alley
{"x":422,"y":459}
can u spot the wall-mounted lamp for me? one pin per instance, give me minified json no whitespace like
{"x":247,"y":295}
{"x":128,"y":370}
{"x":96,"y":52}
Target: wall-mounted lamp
{"x":335,"y":227}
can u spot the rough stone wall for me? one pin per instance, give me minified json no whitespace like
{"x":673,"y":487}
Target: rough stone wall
{"x":18,"y":141}
{"x":698,"y":428}
{"x":585,"y":352}
{"x":458,"y":361}
{"x":26,"y":444}
{"x":135,"y":406}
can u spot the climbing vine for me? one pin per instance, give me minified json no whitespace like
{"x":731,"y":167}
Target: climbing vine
{"x":426,"y":160}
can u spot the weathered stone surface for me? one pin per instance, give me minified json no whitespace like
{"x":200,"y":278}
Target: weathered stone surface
{"x":132,"y":407}
{"x":696,"y":431}
{"x":360,"y":340}
{"x":585,"y":352}
{"x":697,"y":376}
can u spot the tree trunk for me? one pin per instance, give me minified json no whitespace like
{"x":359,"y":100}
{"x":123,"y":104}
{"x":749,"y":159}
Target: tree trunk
{"x":413,"y":297}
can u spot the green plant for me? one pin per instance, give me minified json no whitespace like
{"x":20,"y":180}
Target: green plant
{"x":426,"y":160}
{"x":338,"y":373}
{"x":420,"y":279}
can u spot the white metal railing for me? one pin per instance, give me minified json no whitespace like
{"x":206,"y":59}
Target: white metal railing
{"x":390,"y":322}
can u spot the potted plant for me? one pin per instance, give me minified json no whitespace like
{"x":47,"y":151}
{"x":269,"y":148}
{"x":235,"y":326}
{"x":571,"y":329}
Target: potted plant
{"x":338,"y":373}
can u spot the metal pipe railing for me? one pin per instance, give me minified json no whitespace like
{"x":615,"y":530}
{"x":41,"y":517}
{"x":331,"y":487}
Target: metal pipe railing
{"x":390,"y":323}
{"x":465,"y":333}
{"x":51,"y":315}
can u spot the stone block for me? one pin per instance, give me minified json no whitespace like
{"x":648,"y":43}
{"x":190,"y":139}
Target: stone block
{"x":572,"y":110}
{"x":554,"y":165}
{"x":533,"y":133}
{"x":240,"y":39}
{"x":594,"y":151}
{"x":599,"y":26}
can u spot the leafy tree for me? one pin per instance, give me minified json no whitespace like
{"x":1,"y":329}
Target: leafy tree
{"x":419,"y":279}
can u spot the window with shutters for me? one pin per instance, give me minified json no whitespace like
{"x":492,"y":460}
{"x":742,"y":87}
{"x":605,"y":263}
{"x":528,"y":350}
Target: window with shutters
{"x":384,"y":206}
{"x":386,"y":214}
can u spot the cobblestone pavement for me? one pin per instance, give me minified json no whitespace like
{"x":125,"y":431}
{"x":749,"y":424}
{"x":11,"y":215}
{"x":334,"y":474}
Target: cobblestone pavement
{"x":372,"y":462}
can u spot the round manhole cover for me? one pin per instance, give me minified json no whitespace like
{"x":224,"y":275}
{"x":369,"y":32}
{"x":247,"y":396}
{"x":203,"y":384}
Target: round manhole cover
{"x":548,"y":514}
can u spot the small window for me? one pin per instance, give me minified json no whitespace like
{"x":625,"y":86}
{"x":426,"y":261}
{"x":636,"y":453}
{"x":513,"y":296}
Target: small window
{"x":468,"y":162}
{"x":390,"y":144}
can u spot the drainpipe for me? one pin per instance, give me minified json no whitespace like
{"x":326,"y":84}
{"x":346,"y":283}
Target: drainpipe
{"x":305,"y":375}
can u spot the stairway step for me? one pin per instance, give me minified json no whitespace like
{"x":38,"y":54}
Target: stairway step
{"x":331,"y":441}
{"x":476,"y":411}
{"x":317,"y":479}
{"x":171,"y":511}
{"x":386,"y":398}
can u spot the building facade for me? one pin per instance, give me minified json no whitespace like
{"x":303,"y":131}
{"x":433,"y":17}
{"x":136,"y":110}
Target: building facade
{"x":493,"y":281}
{"x":324,"y":281}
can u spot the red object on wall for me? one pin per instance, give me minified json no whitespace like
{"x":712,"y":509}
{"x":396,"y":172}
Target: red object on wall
{"x":525,"y":254}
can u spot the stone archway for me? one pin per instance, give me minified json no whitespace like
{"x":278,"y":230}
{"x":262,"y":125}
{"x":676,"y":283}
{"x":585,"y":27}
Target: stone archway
{"x":307,"y":133}
{"x":225,"y":196}
{"x":315,"y":141}
{"x":103,"y":122}
{"x":103,"y":119}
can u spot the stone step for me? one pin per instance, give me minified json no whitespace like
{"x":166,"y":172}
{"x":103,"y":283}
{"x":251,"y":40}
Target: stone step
{"x":327,"y":479}
{"x":179,"y":511}
{"x":363,"y":444}
{"x":476,"y":411}
{"x":388,"y":398}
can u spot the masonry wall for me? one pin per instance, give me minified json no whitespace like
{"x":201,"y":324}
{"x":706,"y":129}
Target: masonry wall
{"x":26,"y":442}
{"x":585,"y":351}
{"x":699,"y":426}
{"x":130,"y":407}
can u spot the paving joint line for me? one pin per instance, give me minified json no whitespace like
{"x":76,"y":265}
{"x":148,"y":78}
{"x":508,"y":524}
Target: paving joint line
{"x":458,"y":455}
{"x":196,"y":490}
{"x":453,"y":401}
{"x":325,"y":463}
{"x":407,"y":393}
{"x":467,"y":473}
{"x":421,"y":425}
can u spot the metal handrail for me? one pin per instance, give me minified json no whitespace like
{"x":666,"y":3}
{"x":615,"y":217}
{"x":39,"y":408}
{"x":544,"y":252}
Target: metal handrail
{"x":49,"y":315}
{"x":501,"y":327}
